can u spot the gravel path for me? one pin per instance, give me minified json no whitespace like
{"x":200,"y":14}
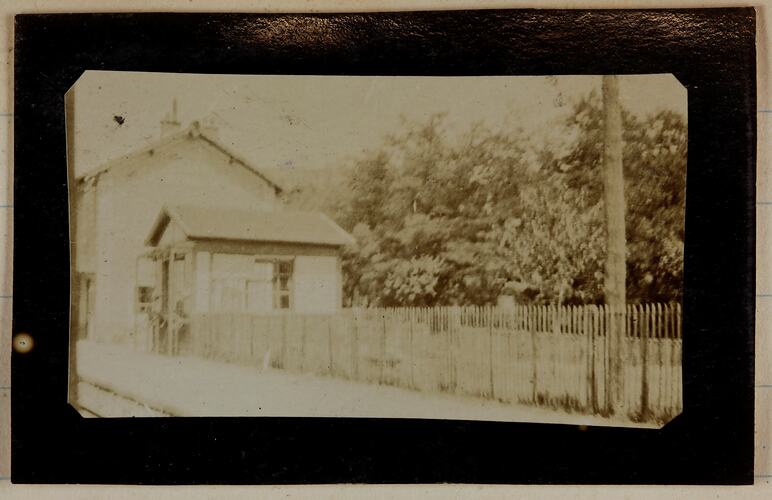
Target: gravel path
{"x":186,"y":386}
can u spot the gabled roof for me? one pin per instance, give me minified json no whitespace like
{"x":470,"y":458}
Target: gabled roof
{"x":277,"y":226}
{"x":194,"y":130}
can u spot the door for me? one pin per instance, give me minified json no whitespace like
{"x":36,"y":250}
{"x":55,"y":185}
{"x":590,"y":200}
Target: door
{"x":180,"y":299}
{"x":161,"y":326}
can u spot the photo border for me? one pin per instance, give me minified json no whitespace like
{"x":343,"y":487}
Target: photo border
{"x":711,"y":51}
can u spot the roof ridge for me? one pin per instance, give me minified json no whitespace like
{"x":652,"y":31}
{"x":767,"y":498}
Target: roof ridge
{"x":217,"y":144}
{"x":241,"y":223}
{"x":115,"y":161}
{"x":193,"y":130}
{"x":283,"y":209}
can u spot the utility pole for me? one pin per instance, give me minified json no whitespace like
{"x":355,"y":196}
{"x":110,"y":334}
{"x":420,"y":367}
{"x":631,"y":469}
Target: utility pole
{"x":615,"y":275}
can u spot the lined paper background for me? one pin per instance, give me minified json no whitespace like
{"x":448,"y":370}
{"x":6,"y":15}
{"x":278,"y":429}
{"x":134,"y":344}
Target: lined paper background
{"x":763,"y":465}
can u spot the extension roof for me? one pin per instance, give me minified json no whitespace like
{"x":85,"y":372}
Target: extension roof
{"x":277,"y":226}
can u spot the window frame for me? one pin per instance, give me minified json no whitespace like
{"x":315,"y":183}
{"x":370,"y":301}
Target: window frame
{"x":276,"y":262}
{"x":278,"y":293}
{"x":141,"y":307}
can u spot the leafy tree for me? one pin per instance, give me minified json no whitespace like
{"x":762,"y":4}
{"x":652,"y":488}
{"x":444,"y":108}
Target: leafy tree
{"x":442,"y":219}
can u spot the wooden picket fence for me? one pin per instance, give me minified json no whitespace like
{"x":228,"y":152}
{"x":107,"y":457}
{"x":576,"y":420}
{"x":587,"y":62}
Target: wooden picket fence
{"x":539,"y":355}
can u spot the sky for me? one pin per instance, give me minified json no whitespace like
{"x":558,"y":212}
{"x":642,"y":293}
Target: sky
{"x":318,"y":121}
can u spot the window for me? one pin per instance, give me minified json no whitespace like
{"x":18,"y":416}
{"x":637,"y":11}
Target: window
{"x":244,"y":283}
{"x":144,"y":298}
{"x":181,"y":282}
{"x":145,"y":285}
{"x":282,"y":284}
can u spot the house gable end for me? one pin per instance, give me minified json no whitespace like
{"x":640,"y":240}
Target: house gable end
{"x":193,"y":172}
{"x":235,"y":159}
{"x":131,"y":162}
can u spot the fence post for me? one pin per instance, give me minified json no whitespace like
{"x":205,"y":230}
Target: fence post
{"x":595,"y":329}
{"x":303,"y":344}
{"x":644,"y":362}
{"x":283,"y":319}
{"x":383,"y":349}
{"x":450,"y":317}
{"x":673,"y":343}
{"x":509,"y":371}
{"x":207,"y":336}
{"x":665,"y":343}
{"x":604,"y":330}
{"x":589,"y":362}
{"x":660,"y":361}
{"x":490,"y":352}
{"x":251,"y":338}
{"x":679,"y":336}
{"x":355,"y":345}
{"x":530,"y":323}
{"x":410,"y":319}
{"x":668,"y":355}
{"x":557,"y":334}
{"x":329,"y":345}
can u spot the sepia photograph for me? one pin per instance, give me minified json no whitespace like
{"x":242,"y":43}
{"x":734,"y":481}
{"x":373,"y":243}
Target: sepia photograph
{"x":500,"y":248}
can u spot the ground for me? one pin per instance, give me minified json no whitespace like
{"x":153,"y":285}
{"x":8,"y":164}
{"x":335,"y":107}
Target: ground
{"x":117,"y":382}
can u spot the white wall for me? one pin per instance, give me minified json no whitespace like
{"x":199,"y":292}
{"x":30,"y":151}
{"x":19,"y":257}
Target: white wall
{"x":172,"y":234}
{"x":84,"y":205}
{"x":317,"y":283}
{"x":201,"y":280}
{"x":130,"y":199}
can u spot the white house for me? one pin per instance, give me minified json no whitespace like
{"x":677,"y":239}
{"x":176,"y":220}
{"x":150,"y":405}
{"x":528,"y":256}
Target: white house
{"x":117,"y":205}
{"x":215,"y":260}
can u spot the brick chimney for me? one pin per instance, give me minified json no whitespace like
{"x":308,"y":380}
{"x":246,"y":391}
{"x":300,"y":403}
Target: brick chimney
{"x":170,"y":124}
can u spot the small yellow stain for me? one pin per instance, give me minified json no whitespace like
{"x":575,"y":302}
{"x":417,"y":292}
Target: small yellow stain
{"x":23,"y":343}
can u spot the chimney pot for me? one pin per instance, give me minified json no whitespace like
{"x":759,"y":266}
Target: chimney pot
{"x":170,"y":124}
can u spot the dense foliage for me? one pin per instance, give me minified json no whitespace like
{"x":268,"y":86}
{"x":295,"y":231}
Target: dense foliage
{"x":441,"y":222}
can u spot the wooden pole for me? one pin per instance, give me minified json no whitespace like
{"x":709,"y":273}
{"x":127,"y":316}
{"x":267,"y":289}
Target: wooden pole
{"x":614,"y":197}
